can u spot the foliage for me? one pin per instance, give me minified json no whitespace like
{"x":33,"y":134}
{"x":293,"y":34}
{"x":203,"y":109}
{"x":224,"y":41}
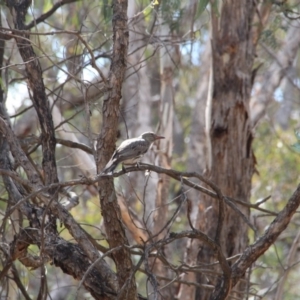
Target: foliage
{"x":74,"y":46}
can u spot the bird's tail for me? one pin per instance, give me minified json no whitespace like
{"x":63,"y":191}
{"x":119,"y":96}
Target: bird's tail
{"x":110,"y":167}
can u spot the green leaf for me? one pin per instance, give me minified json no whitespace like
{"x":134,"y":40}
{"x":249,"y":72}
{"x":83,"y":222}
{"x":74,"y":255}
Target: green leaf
{"x":297,"y":134}
{"x":215,"y":8}
{"x":296,"y":147}
{"x":202,"y":6}
{"x":107,"y":10}
{"x":47,"y":5}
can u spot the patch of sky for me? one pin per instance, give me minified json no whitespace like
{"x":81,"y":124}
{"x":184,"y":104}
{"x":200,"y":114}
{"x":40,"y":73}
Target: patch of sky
{"x":193,"y":49}
{"x":278,"y":95}
{"x":18,"y":93}
{"x":16,"y":97}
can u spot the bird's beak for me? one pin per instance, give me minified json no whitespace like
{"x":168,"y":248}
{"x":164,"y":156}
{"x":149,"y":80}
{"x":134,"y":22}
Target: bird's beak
{"x":159,"y":137}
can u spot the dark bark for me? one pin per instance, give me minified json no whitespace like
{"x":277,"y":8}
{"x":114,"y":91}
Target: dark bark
{"x":37,"y":189}
{"x":110,"y":209}
{"x":230,"y":130}
{"x":231,"y":172}
{"x":35,"y":80}
{"x":69,"y":257}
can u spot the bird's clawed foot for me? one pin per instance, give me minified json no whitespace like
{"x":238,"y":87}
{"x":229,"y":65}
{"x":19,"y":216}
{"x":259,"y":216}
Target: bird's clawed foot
{"x":136,"y":165}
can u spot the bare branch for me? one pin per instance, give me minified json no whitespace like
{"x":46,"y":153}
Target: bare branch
{"x":276,"y":72}
{"x":50,"y":12}
{"x":255,"y":250}
{"x":35,"y":78}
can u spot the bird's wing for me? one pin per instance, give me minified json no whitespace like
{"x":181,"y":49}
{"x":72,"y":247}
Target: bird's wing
{"x":131,"y":148}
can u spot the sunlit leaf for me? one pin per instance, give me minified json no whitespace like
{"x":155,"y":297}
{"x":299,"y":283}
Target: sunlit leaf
{"x":147,"y":13}
{"x":154,"y":2}
{"x":47,"y":5}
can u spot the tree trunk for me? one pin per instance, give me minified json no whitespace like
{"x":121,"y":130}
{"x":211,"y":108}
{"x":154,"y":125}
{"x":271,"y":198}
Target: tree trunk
{"x":110,"y":209}
{"x":196,"y":163}
{"x":232,"y":160}
{"x":137,"y":102}
{"x":165,"y":156}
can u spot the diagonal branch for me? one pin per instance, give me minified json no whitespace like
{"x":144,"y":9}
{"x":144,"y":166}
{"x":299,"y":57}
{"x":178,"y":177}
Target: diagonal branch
{"x":225,"y":279}
{"x":69,"y":257}
{"x":111,"y":213}
{"x":47,"y":14}
{"x":35,"y":79}
{"x":276,"y":72}
{"x":251,"y":253}
{"x":34,"y":186}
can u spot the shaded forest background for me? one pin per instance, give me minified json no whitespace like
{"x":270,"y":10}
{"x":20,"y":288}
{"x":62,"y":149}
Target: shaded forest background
{"x":85,"y":85}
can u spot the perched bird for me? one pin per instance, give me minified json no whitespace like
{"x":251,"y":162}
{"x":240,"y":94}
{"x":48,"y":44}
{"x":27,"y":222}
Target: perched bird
{"x":130,"y":151}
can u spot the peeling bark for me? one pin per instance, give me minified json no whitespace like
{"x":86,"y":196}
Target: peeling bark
{"x":110,"y":209}
{"x":67,"y":256}
{"x":230,"y":131}
{"x":36,"y":84}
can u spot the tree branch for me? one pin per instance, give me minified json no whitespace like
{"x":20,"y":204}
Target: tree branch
{"x":69,"y":257}
{"x":35,"y":186}
{"x":105,"y":147}
{"x":255,"y":250}
{"x":35,"y":78}
{"x":50,"y":12}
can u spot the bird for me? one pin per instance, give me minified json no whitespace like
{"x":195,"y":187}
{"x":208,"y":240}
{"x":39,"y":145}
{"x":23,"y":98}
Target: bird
{"x":131,"y":151}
